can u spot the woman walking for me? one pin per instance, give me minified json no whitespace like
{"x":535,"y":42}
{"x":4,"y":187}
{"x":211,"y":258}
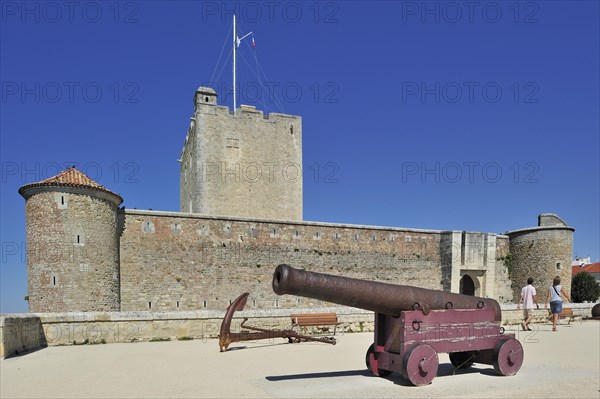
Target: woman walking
{"x":555,"y":300}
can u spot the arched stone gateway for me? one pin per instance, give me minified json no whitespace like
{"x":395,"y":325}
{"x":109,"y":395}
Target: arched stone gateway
{"x":467,"y":286}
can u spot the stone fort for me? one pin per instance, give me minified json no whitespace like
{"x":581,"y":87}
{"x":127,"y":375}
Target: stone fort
{"x":241,"y":215}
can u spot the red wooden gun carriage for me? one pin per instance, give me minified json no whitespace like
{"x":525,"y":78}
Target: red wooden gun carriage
{"x":413,"y":325}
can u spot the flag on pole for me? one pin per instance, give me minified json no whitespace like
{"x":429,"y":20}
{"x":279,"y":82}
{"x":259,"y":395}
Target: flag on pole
{"x":237,"y":41}
{"x":253,"y":43}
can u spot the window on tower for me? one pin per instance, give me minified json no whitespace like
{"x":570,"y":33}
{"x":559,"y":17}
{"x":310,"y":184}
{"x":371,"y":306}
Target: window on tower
{"x":232,"y":148}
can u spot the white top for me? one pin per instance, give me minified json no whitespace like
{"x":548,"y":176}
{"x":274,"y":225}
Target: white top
{"x":554,"y":295}
{"x":527,"y":294}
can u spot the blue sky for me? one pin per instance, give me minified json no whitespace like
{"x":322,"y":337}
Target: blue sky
{"x":439,"y":115}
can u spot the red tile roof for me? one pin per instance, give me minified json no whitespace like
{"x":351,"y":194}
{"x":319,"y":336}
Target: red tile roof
{"x":590,"y":268}
{"x":70,"y":177}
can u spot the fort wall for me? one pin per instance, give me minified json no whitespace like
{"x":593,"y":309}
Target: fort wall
{"x":140,"y":274}
{"x":241,"y":216}
{"x":176,"y":261}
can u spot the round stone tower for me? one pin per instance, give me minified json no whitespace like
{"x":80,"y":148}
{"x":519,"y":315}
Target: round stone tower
{"x":72,"y":232}
{"x":541,"y":252}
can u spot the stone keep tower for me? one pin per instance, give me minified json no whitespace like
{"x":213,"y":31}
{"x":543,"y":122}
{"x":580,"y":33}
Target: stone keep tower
{"x":241,"y":163}
{"x":541,"y":252}
{"x":72,"y":234}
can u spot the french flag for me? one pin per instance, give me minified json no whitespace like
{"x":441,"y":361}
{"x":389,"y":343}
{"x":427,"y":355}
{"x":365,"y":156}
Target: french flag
{"x":253,"y":43}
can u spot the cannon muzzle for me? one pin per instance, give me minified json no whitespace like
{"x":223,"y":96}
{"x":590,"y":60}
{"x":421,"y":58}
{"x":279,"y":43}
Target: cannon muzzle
{"x":388,"y":299}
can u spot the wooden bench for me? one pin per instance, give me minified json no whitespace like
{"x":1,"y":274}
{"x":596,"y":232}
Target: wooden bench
{"x":315,"y":319}
{"x":566,"y":313}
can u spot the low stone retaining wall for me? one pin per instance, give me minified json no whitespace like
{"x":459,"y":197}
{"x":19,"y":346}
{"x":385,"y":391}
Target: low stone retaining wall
{"x":21,"y":333}
{"x":510,"y":314}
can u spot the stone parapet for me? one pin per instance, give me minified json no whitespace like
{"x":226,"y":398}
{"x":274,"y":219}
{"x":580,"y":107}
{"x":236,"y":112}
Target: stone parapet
{"x":22,"y":333}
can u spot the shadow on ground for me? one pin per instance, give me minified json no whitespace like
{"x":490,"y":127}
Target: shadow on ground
{"x":331,"y":374}
{"x":444,"y":370}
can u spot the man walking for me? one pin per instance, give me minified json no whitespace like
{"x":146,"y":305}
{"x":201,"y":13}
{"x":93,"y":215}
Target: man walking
{"x":528,"y":298}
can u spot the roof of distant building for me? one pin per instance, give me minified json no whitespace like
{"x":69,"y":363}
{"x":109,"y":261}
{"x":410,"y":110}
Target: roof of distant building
{"x":590,"y":268}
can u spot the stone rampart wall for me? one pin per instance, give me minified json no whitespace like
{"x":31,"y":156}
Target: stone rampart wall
{"x":175,"y":261}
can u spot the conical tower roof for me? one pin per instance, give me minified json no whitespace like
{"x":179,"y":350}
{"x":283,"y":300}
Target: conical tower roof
{"x":71,"y":177}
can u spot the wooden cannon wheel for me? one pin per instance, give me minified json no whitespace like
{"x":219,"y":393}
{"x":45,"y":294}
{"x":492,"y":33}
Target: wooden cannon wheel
{"x":462,"y":360}
{"x":420,"y":365}
{"x":380,"y":372}
{"x":508,"y":357}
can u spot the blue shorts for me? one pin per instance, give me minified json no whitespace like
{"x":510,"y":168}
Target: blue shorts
{"x":556,"y":307}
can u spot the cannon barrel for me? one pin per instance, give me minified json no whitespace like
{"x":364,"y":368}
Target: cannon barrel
{"x":388,"y":299}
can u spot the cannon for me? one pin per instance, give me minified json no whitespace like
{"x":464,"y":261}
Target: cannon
{"x":413,"y":325}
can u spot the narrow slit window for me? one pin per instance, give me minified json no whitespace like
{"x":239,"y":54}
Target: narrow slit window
{"x":177,"y":304}
{"x":77,"y":238}
{"x":204,"y":304}
{"x":558,"y":266}
{"x":149,"y":305}
{"x":53,"y":280}
{"x":62,"y":199}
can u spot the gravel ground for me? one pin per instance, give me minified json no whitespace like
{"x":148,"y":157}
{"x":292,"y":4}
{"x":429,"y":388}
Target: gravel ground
{"x":557,"y":365}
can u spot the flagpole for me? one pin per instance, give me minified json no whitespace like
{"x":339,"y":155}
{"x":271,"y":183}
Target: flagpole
{"x":236,"y":43}
{"x":234,"y":51}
